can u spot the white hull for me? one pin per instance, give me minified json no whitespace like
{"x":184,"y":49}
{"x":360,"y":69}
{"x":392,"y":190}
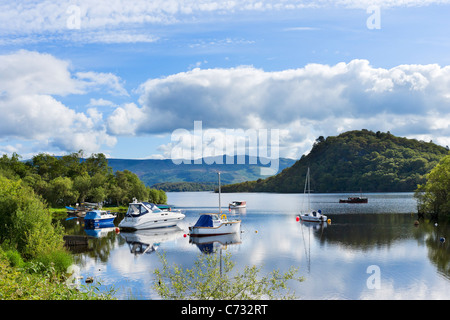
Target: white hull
{"x":152,"y":220}
{"x":310,"y":218}
{"x":224,"y":228}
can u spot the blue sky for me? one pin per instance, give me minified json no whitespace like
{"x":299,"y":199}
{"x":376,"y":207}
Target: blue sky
{"x":119,"y":77}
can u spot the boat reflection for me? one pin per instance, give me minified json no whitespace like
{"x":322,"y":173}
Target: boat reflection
{"x":210,"y":244}
{"x":148,"y":240}
{"x":99,"y":232}
{"x":314,"y":225}
{"x":237,"y":210}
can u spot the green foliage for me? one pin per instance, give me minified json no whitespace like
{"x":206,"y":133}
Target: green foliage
{"x":212,"y":279}
{"x":354,"y":161}
{"x":35,"y":281}
{"x":185,"y":186}
{"x":25,"y":222}
{"x":71,"y":179}
{"x":434,"y":196}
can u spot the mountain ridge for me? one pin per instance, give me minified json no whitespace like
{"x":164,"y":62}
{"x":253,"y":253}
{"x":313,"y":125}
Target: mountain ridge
{"x":354,"y":160}
{"x":158,"y":171}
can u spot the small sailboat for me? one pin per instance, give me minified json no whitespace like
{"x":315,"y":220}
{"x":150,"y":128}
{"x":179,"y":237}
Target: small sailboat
{"x":311,"y":215}
{"x":215,"y":224}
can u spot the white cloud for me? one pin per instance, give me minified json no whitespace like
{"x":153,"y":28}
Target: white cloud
{"x":99,"y":80}
{"x":125,"y":119}
{"x":308,"y":102}
{"x":30,"y":111}
{"x":116,"y":21}
{"x":100,"y":103}
{"x":33,"y":72}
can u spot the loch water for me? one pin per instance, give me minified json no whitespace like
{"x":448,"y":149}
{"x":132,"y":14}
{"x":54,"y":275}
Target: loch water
{"x":368,"y":251}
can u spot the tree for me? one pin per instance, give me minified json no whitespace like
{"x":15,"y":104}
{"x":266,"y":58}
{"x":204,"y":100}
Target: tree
{"x":434,"y":196}
{"x":210,"y":279}
{"x":61,"y":192}
{"x":25,"y":222}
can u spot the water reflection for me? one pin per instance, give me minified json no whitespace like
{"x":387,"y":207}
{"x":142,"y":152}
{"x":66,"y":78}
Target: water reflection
{"x":333,"y":258}
{"x":147,"y":241}
{"x":211,"y":244}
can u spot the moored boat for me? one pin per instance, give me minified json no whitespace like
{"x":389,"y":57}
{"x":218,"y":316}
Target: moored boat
{"x":145,"y":215}
{"x":354,"y":200}
{"x":237,"y":205}
{"x":211,"y":224}
{"x":311,"y":215}
{"x":99,"y":219}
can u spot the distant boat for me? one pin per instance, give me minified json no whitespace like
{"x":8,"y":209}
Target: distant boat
{"x":211,"y":224}
{"x":311,"y":215}
{"x":99,"y":219}
{"x":359,"y":199}
{"x":354,"y":200}
{"x":237,"y":204}
{"x":145,"y":215}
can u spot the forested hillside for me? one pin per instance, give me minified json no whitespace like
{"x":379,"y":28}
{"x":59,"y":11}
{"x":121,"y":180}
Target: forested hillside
{"x":196,"y":176}
{"x":69,"y":179}
{"x":354,"y":161}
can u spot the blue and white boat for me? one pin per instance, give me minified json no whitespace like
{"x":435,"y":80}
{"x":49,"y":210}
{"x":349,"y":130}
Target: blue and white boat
{"x":210,"y":224}
{"x":99,"y":219}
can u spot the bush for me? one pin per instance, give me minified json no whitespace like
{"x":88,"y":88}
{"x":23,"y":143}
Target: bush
{"x":25,"y":222}
{"x":60,"y":260}
{"x":434,"y":196}
{"x":14,"y":258}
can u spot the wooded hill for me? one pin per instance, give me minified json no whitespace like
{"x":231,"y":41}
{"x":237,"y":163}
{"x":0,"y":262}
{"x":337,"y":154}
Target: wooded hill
{"x":168,"y":176}
{"x":354,"y":161}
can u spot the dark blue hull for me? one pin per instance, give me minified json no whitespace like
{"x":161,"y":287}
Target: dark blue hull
{"x":99,"y":223}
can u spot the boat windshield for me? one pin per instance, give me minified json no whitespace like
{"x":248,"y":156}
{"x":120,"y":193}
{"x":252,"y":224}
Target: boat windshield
{"x":136,"y":209}
{"x":139,"y":209}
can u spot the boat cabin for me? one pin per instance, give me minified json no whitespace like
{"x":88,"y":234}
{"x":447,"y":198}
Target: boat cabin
{"x":141,"y":208}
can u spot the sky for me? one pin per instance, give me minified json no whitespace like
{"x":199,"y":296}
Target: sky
{"x":121,"y":77}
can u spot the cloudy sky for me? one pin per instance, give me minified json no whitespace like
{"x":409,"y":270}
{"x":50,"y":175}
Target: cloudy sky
{"x":121,"y":76}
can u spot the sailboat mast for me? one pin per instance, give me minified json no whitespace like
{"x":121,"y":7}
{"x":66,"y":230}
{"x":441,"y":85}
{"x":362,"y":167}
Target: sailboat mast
{"x":309,"y":191}
{"x":220,"y":209}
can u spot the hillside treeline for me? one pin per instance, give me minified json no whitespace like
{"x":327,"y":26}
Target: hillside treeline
{"x":71,"y":179}
{"x":354,"y":161}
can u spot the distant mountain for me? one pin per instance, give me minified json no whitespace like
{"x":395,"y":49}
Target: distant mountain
{"x":354,"y":161}
{"x":204,"y":175}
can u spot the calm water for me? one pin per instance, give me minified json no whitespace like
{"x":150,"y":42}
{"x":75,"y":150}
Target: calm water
{"x":336,"y":261}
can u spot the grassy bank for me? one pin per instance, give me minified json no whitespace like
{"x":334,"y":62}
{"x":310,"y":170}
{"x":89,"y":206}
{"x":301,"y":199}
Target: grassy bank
{"x":33,"y":280}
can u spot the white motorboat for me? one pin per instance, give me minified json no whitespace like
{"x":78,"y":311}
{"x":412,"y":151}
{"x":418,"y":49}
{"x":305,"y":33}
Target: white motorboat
{"x":237,"y":204}
{"x":212,"y":224}
{"x":311,"y":215}
{"x":145,"y":215}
